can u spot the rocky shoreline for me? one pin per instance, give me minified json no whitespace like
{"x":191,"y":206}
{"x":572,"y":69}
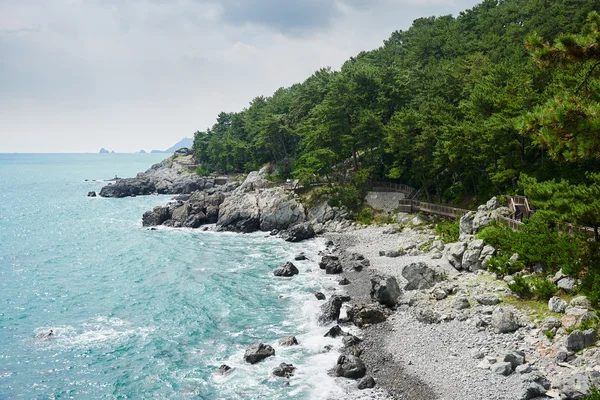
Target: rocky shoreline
{"x":433,"y":323}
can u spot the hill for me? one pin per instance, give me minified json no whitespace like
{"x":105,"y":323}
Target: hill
{"x":185,"y":142}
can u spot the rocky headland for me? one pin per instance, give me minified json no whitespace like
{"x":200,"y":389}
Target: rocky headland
{"x":416,"y":318}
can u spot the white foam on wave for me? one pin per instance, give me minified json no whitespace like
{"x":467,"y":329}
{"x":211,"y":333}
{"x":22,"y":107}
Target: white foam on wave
{"x":97,"y":332}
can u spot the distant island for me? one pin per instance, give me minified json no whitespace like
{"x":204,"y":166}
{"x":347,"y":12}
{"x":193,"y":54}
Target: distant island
{"x":185,"y":142}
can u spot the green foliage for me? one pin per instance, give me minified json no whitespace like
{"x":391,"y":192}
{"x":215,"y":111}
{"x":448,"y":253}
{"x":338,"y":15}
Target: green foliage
{"x":502,"y":265}
{"x":549,"y":334}
{"x":365,"y":216}
{"x":440,"y":106}
{"x":202,"y":170}
{"x":536,"y":242}
{"x":347,"y":196}
{"x":449,"y":231}
{"x":543,"y":288}
{"x":521,"y":287}
{"x":593,"y":394}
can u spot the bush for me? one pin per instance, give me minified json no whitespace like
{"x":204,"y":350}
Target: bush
{"x":590,"y":283}
{"x":365,"y":216}
{"x":203,"y":170}
{"x":502,"y":265}
{"x":593,"y":394}
{"x":521,"y":287}
{"x":537,"y":242}
{"x":346,"y":195}
{"x":543,"y":288}
{"x":449,"y":231}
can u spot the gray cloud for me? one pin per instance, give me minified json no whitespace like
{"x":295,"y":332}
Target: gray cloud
{"x":77,"y":75}
{"x":289,"y":16}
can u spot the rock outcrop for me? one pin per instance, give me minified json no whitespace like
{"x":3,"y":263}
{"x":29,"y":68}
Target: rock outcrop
{"x":257,"y":352}
{"x":173,"y":175}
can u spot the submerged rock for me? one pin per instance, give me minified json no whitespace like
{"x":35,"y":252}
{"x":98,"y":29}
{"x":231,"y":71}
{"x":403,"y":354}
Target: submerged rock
{"x":284,"y":370}
{"x":288,"y":269}
{"x":257,"y":352}
{"x":288,"y":341}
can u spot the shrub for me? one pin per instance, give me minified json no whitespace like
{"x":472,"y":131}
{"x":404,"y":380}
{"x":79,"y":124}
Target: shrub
{"x":590,"y":283}
{"x":203,"y":170}
{"x":593,"y":394}
{"x":449,"y":231}
{"x":502,"y":265}
{"x":365,"y":216}
{"x":543,"y":288}
{"x":346,"y":195}
{"x":521,"y":287}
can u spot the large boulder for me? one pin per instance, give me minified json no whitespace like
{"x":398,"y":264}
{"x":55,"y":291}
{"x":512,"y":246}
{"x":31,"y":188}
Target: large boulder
{"x":470,"y":259}
{"x":299,"y":232}
{"x":367,"y":314}
{"x":239,"y":212}
{"x":288,"y":341}
{"x":579,"y":340}
{"x":420,"y":276}
{"x":454,"y":254}
{"x":278,"y":211}
{"x":349,"y":366}
{"x":385,"y":290}
{"x":257,"y":352}
{"x":557,"y":305}
{"x":157,"y":216}
{"x":466,"y":223}
{"x":288,"y":269}
{"x":504,"y":320}
{"x":330,"y":311}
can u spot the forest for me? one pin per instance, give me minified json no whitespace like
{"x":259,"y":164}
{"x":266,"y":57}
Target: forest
{"x":462,"y":107}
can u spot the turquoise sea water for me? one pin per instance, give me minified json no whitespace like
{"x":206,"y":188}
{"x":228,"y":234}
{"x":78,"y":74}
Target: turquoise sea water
{"x":139,"y":313}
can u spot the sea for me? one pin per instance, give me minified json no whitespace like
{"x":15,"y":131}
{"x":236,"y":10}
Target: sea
{"x":138,"y":313}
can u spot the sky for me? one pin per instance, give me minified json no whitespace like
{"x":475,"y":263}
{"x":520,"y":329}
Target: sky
{"x":78,"y":75}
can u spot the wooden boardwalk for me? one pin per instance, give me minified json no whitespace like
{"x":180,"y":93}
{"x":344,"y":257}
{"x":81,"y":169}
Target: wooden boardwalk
{"x":412,"y":206}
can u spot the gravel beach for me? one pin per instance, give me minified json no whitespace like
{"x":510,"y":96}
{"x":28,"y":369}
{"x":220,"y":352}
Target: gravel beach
{"x":417,"y":361}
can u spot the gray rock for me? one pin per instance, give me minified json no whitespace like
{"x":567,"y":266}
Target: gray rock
{"x":439,"y":294}
{"x":581,"y":302}
{"x":288,"y":269}
{"x":466,"y":223}
{"x":461,"y":303}
{"x":454,"y":254}
{"x":224,"y":369}
{"x":349,"y":366}
{"x":344,"y":282}
{"x":367,"y":314}
{"x":515,"y":358}
{"x":320,"y":296}
{"x":91,"y":194}
{"x":331,"y":310}
{"x":426,"y":315}
{"x":557,"y":305}
{"x":257,"y":352}
{"x":550,"y":323}
{"x":335,"y":331}
{"x":299,"y":232}
{"x":284,"y":370}
{"x":523,"y":369}
{"x":300,"y":257}
{"x":385,"y":290}
{"x":350,"y":340}
{"x":288,"y":341}
{"x":420,"y":276}
{"x":579,"y":340}
{"x":504,"y":320}
{"x":334,"y":268}
{"x":157,"y":216}
{"x":501,"y":368}
{"x":393,"y":253}
{"x":567,"y":284}
{"x":366,"y":383}
{"x":328,"y":259}
{"x":488,"y":299}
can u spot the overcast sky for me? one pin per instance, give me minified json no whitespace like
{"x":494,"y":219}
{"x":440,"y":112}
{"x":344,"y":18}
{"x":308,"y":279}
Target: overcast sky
{"x":77,"y":75}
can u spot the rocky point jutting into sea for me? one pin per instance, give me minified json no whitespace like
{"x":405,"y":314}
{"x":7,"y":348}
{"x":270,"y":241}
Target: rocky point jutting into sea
{"x":416,"y":318}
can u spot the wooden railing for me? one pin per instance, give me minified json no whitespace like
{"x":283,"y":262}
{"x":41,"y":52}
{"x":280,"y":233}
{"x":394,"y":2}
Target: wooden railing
{"x":519,"y":208}
{"x":411,"y":206}
{"x":392,"y":187}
